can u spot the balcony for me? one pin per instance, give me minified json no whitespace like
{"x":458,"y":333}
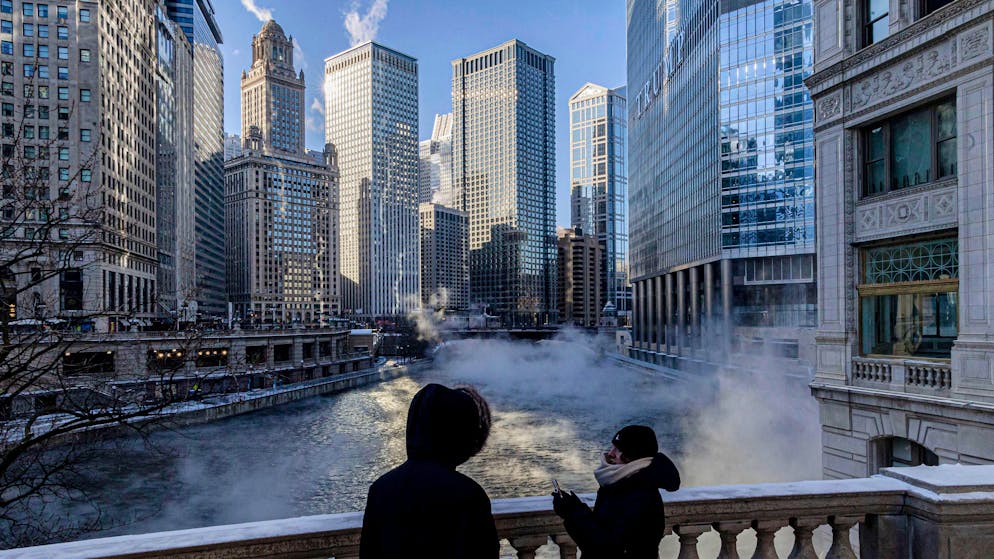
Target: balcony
{"x":942,"y":512}
{"x":903,"y":375}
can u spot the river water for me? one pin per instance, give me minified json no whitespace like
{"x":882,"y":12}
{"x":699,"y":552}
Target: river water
{"x":555,"y":407}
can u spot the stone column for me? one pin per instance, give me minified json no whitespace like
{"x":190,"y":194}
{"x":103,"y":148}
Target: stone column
{"x":650,"y":320}
{"x":708,"y":293}
{"x":973,"y":352}
{"x":726,"y":303}
{"x":636,"y":313}
{"x":670,"y":326}
{"x":695,"y":316}
{"x":660,"y":306}
{"x":681,"y":309}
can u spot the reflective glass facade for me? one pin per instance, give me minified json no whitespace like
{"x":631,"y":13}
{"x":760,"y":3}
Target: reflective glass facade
{"x":721,"y":159}
{"x":196,"y":18}
{"x":599,"y":183}
{"x":503,"y":145}
{"x":371,"y":108}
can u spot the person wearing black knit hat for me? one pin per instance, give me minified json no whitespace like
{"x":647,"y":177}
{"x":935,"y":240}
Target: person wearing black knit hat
{"x":628,"y":520}
{"x":424,"y":507}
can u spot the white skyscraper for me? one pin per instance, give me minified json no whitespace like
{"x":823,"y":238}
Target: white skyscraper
{"x":436,"y":164}
{"x":371,"y":100}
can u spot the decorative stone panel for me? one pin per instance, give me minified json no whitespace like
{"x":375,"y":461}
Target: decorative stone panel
{"x":931,"y":209}
{"x":930,"y":65}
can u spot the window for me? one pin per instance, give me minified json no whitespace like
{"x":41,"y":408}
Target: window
{"x":63,"y":133}
{"x":29,"y":90}
{"x":7,"y":130}
{"x":43,"y":31}
{"x":43,"y":133}
{"x":7,"y":109}
{"x":63,"y":93}
{"x":63,"y":53}
{"x":875,"y":21}
{"x":28,"y":50}
{"x":42,"y":10}
{"x":913,"y":148}
{"x":28,"y":132}
{"x":43,"y":111}
{"x":6,"y":47}
{"x":62,"y":32}
{"x":43,"y":71}
{"x":85,"y":95}
{"x":27,"y":8}
{"x":63,"y":154}
{"x":7,"y":68}
{"x":30,"y":152}
{"x":6,"y":26}
{"x":71,"y":290}
{"x":6,"y":6}
{"x":909,"y":299}
{"x":63,"y":113}
{"x":84,"y":55}
{"x":7,"y":88}
{"x":63,"y":73}
{"x":85,"y":134}
{"x":42,"y":51}
{"x":29,"y":70}
{"x":84,"y":16}
{"x":28,"y":29}
{"x":63,"y":173}
{"x":86,"y":175}
{"x":62,"y":12}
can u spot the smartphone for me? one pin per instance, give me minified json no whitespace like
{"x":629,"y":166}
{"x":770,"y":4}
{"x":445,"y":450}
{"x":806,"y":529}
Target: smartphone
{"x":555,"y":485}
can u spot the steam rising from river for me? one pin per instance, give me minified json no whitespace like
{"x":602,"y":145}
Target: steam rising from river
{"x":556,"y":406}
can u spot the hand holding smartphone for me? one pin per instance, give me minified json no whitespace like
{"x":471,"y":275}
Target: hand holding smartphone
{"x":555,"y":486}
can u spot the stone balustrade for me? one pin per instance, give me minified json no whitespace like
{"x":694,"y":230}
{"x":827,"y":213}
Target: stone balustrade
{"x":902,"y":375}
{"x":942,"y":512}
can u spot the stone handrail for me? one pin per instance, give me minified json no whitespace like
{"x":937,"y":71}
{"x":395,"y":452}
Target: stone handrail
{"x":874,"y":370}
{"x":901,"y":375}
{"x":951,"y":510}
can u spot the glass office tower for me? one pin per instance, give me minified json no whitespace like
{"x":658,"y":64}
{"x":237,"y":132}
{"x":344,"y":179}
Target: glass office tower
{"x":721,"y":182}
{"x":196,"y":18}
{"x":503,"y":145}
{"x":599,"y":183}
{"x":371,"y":101}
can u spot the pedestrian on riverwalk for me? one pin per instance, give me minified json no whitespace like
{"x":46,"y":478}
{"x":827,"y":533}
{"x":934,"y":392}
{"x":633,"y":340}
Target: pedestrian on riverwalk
{"x":424,"y":507}
{"x":628,"y":519}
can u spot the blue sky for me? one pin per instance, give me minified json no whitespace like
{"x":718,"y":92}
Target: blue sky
{"x":587,"y":38}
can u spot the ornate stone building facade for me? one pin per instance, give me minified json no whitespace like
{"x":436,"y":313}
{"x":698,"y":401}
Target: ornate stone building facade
{"x":905,"y":342}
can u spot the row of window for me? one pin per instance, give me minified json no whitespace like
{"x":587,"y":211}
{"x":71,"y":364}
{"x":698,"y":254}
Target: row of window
{"x":28,"y":30}
{"x":41,"y":71}
{"x":30,"y":9}
{"x":876,"y":17}
{"x":7,"y":88}
{"x":31,"y":50}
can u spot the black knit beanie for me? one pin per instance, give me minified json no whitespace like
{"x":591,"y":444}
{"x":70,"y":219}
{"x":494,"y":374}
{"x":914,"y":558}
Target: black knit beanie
{"x":636,"y":441}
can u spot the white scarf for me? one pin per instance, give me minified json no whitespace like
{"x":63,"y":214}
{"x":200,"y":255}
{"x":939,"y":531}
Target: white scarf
{"x":608,"y":474}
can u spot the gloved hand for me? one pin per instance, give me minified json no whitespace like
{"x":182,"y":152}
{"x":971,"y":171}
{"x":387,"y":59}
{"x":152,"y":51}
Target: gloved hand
{"x":565,"y":504}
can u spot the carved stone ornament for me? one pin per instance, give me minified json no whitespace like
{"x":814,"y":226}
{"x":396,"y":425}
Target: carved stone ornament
{"x":974,"y":43}
{"x":903,"y":76}
{"x":830,"y":107}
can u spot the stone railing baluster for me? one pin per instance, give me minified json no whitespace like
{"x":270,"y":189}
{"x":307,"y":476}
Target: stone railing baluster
{"x":527,"y":545}
{"x":765,"y":531}
{"x":688,"y":534}
{"x":841,"y":547}
{"x":729,"y":533}
{"x":803,"y":529}
{"x":567,"y":547}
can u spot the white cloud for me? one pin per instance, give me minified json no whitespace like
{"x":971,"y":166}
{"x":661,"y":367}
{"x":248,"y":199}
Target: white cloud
{"x":299,"y":60}
{"x":236,"y":52}
{"x":317,"y":106}
{"x":262,"y":14}
{"x":364,"y":28}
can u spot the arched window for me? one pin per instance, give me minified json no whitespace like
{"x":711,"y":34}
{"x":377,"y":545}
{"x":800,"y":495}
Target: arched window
{"x":890,"y":452}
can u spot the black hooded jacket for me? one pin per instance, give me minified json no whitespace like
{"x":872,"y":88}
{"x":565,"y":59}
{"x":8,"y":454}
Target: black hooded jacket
{"x":628,"y":519}
{"x":424,"y":507}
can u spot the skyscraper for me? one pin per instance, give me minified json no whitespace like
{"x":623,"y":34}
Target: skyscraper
{"x":281,"y":202}
{"x":196,"y":18}
{"x":175,"y":223}
{"x":503,"y":145}
{"x":371,"y":100}
{"x":721,"y":182}
{"x":599,"y":182}
{"x":444,"y":256}
{"x":436,"y":164}
{"x":581,"y":282}
{"x":90,"y":214}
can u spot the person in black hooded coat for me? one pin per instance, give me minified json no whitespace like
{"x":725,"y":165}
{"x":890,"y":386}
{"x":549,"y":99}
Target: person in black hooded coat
{"x":628,"y":520}
{"x":424,"y":507}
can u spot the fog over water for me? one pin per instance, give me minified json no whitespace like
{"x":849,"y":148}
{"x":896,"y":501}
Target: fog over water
{"x":556,"y":405}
